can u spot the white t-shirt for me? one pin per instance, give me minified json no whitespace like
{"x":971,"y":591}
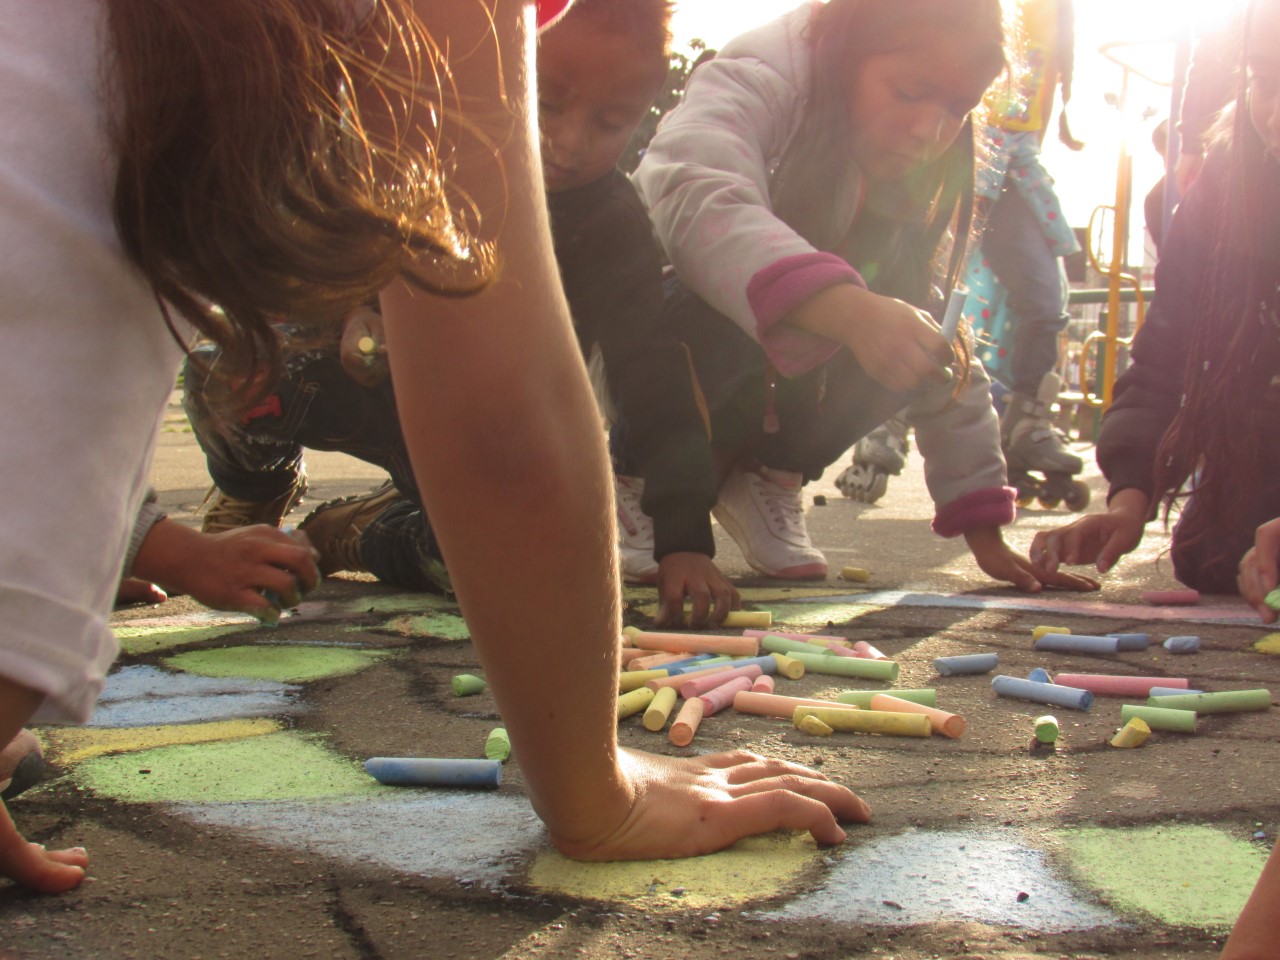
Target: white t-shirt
{"x":86,"y":361}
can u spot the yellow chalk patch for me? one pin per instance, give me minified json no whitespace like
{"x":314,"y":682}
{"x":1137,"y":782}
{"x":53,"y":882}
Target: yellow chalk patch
{"x":754,"y":869}
{"x":1268,"y":644}
{"x":76,"y":744}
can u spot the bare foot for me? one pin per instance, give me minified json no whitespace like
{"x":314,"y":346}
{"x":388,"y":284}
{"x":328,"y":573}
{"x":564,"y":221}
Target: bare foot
{"x":32,"y":866}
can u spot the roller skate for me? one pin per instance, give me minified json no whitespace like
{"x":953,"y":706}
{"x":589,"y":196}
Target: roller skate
{"x":1041,"y":465}
{"x":877,"y":456}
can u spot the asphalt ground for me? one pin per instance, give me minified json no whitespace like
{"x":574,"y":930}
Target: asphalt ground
{"x":222,"y":800}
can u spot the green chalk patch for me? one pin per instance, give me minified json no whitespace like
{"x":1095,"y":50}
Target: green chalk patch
{"x":397,"y":603}
{"x":467,"y":684}
{"x":817,"y":614}
{"x":282,"y":663}
{"x":446,"y":626}
{"x":150,"y":639}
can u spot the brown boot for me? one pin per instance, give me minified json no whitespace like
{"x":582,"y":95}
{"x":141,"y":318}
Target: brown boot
{"x":334,"y":528}
{"x":228,"y":513}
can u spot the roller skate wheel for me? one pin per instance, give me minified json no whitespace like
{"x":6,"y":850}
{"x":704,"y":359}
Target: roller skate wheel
{"x":1048,"y":502}
{"x":1077,"y":496}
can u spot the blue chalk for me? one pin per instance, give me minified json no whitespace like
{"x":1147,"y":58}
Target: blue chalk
{"x":968,"y":664}
{"x":1132,"y":641}
{"x":1169,"y":691}
{"x":1182,"y":644}
{"x":426,"y":772}
{"x":705,"y":664}
{"x":1077,"y":643}
{"x":1051,"y":693}
{"x":766,"y":663}
{"x":1039,"y":675}
{"x":686,"y":662}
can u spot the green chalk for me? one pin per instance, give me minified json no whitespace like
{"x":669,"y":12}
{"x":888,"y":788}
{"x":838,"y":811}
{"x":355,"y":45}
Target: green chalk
{"x":776,"y":644}
{"x":498,"y":745}
{"x":1272,"y":599}
{"x":837,"y":666}
{"x":1160,"y":718}
{"x":862,"y":698}
{"x":1047,"y":729}
{"x":1226,"y":701}
{"x":466,"y":684}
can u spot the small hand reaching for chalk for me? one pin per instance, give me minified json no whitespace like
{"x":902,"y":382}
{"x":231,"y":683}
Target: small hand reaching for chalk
{"x":687,"y":807}
{"x":1260,"y":569}
{"x":696,"y":576}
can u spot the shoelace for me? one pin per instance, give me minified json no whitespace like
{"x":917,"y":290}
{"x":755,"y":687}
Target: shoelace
{"x":782,"y":504}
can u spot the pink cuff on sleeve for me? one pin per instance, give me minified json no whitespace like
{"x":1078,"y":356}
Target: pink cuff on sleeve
{"x":993,"y":506}
{"x":781,"y":287}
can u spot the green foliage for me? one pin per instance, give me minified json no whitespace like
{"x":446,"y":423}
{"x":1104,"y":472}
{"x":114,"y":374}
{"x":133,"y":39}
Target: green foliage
{"x":668,"y":98}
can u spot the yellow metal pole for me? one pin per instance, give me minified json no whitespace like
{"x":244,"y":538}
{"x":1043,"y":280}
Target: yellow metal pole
{"x":1111,"y":349}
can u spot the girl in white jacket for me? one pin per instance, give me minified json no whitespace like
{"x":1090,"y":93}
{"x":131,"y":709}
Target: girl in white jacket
{"x":806,"y":191}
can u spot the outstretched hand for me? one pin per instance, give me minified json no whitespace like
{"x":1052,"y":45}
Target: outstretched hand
{"x":1100,"y":538}
{"x":32,"y":866}
{"x":1001,"y":562}
{"x":686,"y":807}
{"x":696,"y":576}
{"x":1259,"y":569}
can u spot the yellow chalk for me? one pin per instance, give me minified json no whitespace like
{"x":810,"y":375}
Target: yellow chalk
{"x":659,"y":709}
{"x":367,"y":345}
{"x":856,"y":574}
{"x":1038,"y":632}
{"x":629,"y":680}
{"x":789,"y":667}
{"x":634,"y":702}
{"x":813,"y":726}
{"x":1132,"y":734}
{"x":867,"y":721}
{"x":748,"y":619}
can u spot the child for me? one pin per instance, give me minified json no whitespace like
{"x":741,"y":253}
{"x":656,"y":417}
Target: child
{"x":803,"y":191}
{"x":89,"y":361}
{"x":1193,"y":414}
{"x":599,"y":70}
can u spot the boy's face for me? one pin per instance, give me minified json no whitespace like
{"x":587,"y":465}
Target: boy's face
{"x":594,"y":88}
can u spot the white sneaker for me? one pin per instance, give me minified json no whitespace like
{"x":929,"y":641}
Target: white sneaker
{"x":761,"y":508}
{"x":635,"y":533}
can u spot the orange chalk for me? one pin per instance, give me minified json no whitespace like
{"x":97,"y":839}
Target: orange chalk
{"x":628,"y":654}
{"x":1111,"y":685}
{"x":716,"y":699}
{"x":652,"y":661}
{"x":698,"y":684}
{"x":696,"y":643}
{"x":681,"y":679}
{"x":763,"y":684}
{"x":948,"y":724}
{"x":686,"y":725}
{"x":773,"y":705}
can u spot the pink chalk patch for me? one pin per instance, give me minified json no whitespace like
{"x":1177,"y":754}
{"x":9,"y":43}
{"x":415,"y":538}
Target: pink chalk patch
{"x":1172,"y":598}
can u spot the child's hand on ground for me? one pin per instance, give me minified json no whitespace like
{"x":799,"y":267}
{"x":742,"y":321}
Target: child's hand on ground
{"x":230,"y":570}
{"x":32,"y":866}
{"x":1258,"y":569}
{"x":1100,"y":538}
{"x":1001,"y":562}
{"x":686,"y":807}
{"x":899,"y":346}
{"x":693,"y":575}
{"x":363,"y":347}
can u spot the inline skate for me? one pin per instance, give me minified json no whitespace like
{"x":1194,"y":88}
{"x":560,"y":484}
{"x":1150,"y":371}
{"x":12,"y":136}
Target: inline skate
{"x":1041,"y":465}
{"x":877,"y":456}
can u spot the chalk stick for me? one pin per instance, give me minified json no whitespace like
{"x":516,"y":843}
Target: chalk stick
{"x":867,"y":721}
{"x":789,"y":667}
{"x":756,"y":619}
{"x":1132,"y":641}
{"x":776,"y":644}
{"x":1110,"y":685}
{"x":467,"y":684}
{"x":497,"y":746}
{"x":814,"y":727}
{"x":1046,"y":729}
{"x":628,"y":654}
{"x":774,"y":705}
{"x":1038,"y":632}
{"x":655,"y":660}
{"x":696,"y":643}
{"x":1133,"y":734}
{"x":630,"y":680}
{"x":1182,"y":645}
{"x":1040,"y":675}
{"x":694,"y":661}
{"x":1160,"y":718}
{"x":967,"y":664}
{"x":433,"y":772}
{"x":763,"y":684}
{"x":954,"y":312}
{"x":766,"y":663}
{"x":948,"y":724}
{"x":864,"y":649}
{"x":1051,"y":693}
{"x":659,"y":709}
{"x":686,"y":723}
{"x":678,"y":671}
{"x":855,"y":574}
{"x":716,"y":699}
{"x":634,"y":702}
{"x":836,"y":648}
{"x":1272,"y":599}
{"x":367,"y":345}
{"x":790,"y":635}
{"x":1171,"y":598}
{"x":681,"y":678}
{"x":847,"y":667}
{"x":1170,"y":692}
{"x":696,"y":686}
{"x":1225,"y":701}
{"x":1077,"y":643}
{"x":862,"y":698}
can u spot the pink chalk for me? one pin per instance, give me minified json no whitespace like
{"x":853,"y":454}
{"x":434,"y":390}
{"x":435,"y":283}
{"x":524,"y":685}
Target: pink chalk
{"x":1171,"y":598}
{"x":762,"y":684}
{"x":840,"y":650}
{"x":680,"y":680}
{"x":867,"y":651}
{"x":696,"y":643}
{"x":716,"y":699}
{"x":1109,"y":685}
{"x":818,"y":638}
{"x":772,"y":705}
{"x":698,"y":684}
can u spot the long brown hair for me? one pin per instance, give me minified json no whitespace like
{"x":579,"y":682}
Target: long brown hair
{"x":1213,"y":448}
{"x":249,"y":189}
